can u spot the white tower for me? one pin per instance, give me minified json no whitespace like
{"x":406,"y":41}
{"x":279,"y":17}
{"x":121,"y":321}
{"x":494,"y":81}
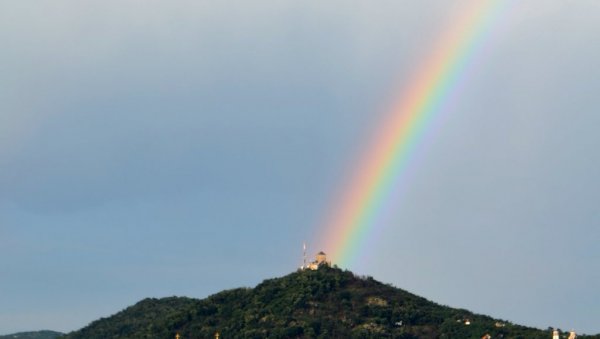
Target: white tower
{"x":304,"y":255}
{"x":555,"y":334}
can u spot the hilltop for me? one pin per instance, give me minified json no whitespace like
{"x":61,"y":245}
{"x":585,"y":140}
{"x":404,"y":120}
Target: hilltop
{"x":325,"y":303}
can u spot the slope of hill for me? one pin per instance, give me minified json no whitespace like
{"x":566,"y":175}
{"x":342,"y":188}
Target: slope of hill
{"x":33,"y":335}
{"x":327,"y":303}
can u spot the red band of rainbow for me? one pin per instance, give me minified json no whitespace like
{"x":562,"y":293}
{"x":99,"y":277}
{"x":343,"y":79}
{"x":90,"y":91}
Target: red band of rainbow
{"x":431,"y":90}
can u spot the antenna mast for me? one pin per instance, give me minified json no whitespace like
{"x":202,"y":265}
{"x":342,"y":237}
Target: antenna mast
{"x":304,"y":256}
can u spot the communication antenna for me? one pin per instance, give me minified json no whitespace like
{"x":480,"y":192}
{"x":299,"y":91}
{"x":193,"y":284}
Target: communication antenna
{"x":304,"y":255}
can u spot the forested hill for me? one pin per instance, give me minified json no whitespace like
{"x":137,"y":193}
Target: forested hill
{"x":327,"y":303}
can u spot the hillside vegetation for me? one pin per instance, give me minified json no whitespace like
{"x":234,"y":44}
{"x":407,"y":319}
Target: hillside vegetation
{"x":326,"y":303}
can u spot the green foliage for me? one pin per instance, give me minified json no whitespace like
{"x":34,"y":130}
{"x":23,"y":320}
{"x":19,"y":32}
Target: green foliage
{"x":327,"y":303}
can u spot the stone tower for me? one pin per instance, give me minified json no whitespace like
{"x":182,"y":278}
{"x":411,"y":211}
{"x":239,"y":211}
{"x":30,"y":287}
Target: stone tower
{"x":321,"y":258}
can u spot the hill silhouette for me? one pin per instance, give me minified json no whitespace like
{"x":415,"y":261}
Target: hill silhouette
{"x":326,"y":303}
{"x":33,"y":335}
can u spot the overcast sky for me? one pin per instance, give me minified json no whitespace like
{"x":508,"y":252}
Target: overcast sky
{"x":158,"y":148}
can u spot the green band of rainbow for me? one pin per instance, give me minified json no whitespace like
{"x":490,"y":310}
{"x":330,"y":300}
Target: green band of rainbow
{"x":386,"y":160}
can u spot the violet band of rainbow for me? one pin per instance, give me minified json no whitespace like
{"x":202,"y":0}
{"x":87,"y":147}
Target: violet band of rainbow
{"x":432,"y":87}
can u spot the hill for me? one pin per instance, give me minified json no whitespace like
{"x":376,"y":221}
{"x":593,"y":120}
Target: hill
{"x":326,"y":303}
{"x":33,"y":335}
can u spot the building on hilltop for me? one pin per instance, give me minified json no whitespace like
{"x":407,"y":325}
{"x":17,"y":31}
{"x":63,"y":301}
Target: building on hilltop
{"x":320,"y":260}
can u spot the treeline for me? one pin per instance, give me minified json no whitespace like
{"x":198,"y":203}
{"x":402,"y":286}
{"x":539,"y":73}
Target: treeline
{"x":33,"y":335}
{"x":327,"y":303}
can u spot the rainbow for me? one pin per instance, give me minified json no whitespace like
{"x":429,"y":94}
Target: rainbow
{"x":432,"y":89}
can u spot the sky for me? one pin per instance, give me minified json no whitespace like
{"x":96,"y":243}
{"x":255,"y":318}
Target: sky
{"x":154,"y":148}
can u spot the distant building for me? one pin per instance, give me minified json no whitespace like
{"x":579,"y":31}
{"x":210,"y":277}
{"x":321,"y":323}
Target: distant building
{"x":320,"y":260}
{"x":572,"y":335}
{"x":555,"y":334}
